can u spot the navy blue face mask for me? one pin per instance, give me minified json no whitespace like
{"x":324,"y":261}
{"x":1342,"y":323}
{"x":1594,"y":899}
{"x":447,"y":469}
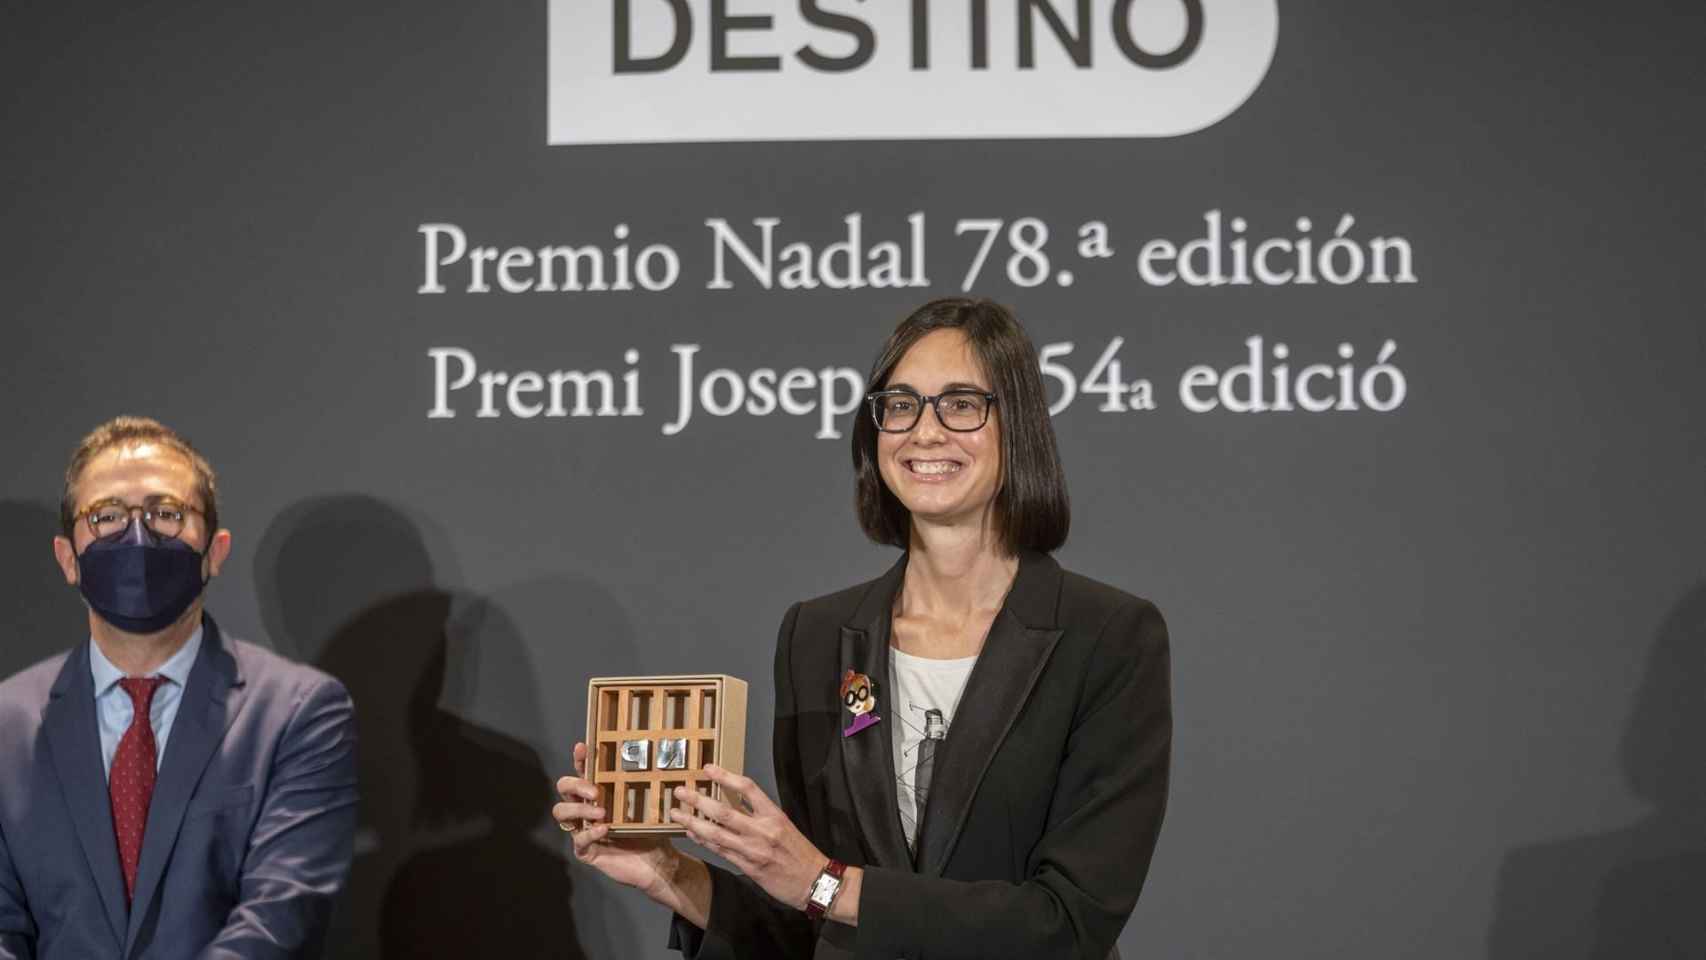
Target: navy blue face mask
{"x":138,"y":581}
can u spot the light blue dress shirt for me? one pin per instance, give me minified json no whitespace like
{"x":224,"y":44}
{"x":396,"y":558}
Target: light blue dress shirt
{"x":113,"y":709}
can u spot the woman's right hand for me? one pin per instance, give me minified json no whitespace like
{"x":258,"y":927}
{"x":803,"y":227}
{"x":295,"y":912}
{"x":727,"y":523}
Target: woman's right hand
{"x":647,"y":863}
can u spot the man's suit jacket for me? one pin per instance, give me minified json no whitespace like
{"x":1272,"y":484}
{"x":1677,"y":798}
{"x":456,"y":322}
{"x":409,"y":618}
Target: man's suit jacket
{"x":249,"y":833}
{"x":1046,"y":800}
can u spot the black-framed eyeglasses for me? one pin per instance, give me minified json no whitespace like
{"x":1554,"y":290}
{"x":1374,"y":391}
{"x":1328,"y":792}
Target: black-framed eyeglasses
{"x":166,"y":516}
{"x":856,"y":695}
{"x":962,"y":411}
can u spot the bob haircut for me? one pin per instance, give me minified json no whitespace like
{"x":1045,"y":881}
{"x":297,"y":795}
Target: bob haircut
{"x":1031,"y":508}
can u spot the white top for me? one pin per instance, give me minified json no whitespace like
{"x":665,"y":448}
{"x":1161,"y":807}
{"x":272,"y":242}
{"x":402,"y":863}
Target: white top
{"x":922,"y":697}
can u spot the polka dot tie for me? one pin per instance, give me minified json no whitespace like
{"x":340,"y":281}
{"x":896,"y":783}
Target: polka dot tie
{"x":131,"y":782}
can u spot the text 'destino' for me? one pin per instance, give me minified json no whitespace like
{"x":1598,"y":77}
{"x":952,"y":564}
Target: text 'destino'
{"x":647,"y":71}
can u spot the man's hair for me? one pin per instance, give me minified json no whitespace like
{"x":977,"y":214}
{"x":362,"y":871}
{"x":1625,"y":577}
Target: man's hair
{"x":1031,"y":508}
{"x":130,"y":432}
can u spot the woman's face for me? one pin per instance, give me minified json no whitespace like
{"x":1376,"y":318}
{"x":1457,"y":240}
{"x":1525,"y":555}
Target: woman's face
{"x":941,"y":475}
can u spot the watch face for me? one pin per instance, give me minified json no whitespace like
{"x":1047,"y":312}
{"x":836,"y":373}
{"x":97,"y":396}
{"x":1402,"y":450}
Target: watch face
{"x":824,"y":889}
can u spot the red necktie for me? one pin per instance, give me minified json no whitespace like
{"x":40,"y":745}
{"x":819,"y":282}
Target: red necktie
{"x":131,"y":781}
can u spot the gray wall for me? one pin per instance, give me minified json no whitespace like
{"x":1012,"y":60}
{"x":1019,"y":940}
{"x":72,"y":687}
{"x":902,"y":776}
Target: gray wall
{"x":1439,"y":671}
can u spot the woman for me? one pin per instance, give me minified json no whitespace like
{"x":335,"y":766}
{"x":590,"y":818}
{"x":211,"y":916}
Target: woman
{"x":1006,"y":798}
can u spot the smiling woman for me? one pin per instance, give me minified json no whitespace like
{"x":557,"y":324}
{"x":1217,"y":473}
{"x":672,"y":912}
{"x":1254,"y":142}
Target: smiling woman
{"x":971,"y":750}
{"x":969,"y":349}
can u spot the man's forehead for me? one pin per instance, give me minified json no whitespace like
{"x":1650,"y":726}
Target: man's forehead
{"x":137,"y":468}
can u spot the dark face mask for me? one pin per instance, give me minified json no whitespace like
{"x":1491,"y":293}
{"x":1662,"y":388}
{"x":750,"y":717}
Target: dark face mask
{"x":139,"y":582}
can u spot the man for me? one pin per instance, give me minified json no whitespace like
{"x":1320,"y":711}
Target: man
{"x":166,"y":790}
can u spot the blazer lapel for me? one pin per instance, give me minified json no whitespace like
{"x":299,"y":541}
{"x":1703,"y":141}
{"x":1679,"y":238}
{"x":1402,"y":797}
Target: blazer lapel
{"x":74,"y":746}
{"x":211,"y":700}
{"x":866,"y":755}
{"x":1014,"y":654}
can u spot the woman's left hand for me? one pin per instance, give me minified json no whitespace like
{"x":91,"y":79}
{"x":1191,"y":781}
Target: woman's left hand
{"x":763,"y":843}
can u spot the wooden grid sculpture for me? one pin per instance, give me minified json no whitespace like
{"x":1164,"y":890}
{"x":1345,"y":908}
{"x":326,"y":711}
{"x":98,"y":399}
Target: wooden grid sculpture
{"x":648,"y":735}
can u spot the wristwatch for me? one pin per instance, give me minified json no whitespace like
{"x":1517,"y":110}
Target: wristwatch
{"x":825,"y":889}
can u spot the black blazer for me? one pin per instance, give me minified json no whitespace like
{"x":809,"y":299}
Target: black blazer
{"x":1046,"y":800}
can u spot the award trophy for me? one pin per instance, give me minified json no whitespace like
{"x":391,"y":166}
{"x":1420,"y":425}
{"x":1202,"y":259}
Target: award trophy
{"x":645,"y":736}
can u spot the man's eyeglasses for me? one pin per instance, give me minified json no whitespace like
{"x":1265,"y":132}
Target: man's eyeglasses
{"x":962,"y":411}
{"x":165,"y":516}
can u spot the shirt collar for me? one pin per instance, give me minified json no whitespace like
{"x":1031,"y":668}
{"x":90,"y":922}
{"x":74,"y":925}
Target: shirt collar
{"x":176,"y":669}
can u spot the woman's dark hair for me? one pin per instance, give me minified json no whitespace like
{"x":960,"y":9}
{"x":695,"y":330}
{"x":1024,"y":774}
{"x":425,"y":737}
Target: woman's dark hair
{"x":1031,"y":509}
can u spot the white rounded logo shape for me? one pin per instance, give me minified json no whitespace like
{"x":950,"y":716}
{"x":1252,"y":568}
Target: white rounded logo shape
{"x":653,"y":71}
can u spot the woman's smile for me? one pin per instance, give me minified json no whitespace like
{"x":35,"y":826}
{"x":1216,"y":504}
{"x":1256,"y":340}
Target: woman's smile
{"x":934,"y":470}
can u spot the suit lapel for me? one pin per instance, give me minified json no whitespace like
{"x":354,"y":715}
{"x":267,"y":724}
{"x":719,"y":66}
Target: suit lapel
{"x":1014,"y":654}
{"x":866,"y":757}
{"x":210,"y":701}
{"x":74,"y":745}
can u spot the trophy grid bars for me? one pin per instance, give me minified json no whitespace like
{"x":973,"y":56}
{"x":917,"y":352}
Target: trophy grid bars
{"x":649,"y":735}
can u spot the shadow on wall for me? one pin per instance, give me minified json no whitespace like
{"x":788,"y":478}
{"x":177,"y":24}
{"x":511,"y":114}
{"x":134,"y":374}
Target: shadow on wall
{"x":570,"y":627}
{"x":39,"y":614}
{"x":476,"y":883}
{"x":444,"y":866}
{"x":1639,"y":891}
